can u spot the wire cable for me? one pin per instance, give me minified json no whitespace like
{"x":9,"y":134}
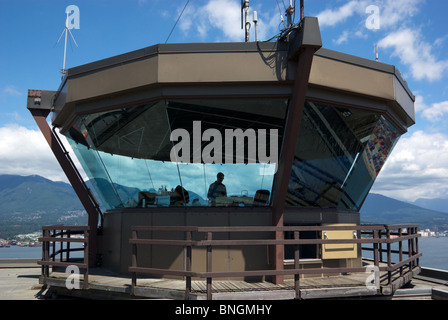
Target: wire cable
{"x":186,"y":4}
{"x":149,"y":173}
{"x":281,"y":16}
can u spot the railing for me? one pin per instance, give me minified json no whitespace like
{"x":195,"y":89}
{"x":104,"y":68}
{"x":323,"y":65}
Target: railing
{"x":374,"y":237}
{"x":58,"y":235}
{"x":395,"y":234}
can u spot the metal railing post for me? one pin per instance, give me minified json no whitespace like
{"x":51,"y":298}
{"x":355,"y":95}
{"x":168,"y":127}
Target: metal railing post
{"x":45,"y":254}
{"x":297,"y":266}
{"x":67,"y":253}
{"x":400,"y":249}
{"x":86,"y":258}
{"x":389,"y":257}
{"x":375,"y":248}
{"x":54,"y":245}
{"x":380,"y":247}
{"x":134,"y":262}
{"x":209,"y":267}
{"x":188,"y":265}
{"x":410,"y":249}
{"x":416,"y":245}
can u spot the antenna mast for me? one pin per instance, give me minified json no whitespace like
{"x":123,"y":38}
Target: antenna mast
{"x":66,"y":31}
{"x":289,"y":13}
{"x":255,"y":23}
{"x":245,"y":12}
{"x":302,"y":9}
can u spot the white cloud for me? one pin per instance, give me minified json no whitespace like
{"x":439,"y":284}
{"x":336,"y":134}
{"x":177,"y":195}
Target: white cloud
{"x":25,"y":152}
{"x":224,"y":17}
{"x":406,"y":43}
{"x":11,"y":90}
{"x":417,"y":168}
{"x":413,"y":51}
{"x":435,"y":111}
{"x":15,"y":116}
{"x":343,"y":38}
{"x":391,"y":12}
{"x":419,"y":104}
{"x":432,"y":112}
{"x":394,"y":12}
{"x":186,"y":20}
{"x":331,"y":17}
{"x":440,"y":41}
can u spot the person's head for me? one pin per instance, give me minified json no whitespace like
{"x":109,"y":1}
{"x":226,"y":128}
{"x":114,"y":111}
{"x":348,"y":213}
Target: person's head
{"x":220,"y":176}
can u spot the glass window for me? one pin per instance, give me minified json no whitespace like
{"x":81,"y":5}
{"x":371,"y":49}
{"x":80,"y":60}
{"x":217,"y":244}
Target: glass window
{"x":339,"y":153}
{"x":169,"y":153}
{"x":92,"y":164}
{"x":238,"y":138}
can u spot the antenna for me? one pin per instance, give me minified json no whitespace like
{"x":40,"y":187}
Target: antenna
{"x":302,"y":9}
{"x":256,"y":23}
{"x":245,"y":12}
{"x":376,"y":52}
{"x":289,"y":13}
{"x":242,"y":14}
{"x":66,"y":31}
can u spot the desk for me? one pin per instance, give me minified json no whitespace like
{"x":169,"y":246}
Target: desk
{"x":234,"y":201}
{"x":163,"y":201}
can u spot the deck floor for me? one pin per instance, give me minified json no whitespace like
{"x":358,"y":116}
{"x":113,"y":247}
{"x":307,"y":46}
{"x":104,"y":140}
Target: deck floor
{"x":107,"y":284}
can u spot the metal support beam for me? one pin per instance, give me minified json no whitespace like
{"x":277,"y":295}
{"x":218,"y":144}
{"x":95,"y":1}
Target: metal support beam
{"x":304,"y":53}
{"x":40,"y":113}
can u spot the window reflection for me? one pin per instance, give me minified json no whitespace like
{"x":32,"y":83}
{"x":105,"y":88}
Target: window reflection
{"x":126,"y":153}
{"x":339,"y":153}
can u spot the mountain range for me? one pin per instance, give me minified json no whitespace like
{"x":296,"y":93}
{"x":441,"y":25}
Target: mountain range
{"x":384,"y":210}
{"x":28,"y":203}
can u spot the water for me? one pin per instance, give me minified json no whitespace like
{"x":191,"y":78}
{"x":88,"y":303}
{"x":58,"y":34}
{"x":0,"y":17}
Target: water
{"x":435,"y":252}
{"x":17,"y":252}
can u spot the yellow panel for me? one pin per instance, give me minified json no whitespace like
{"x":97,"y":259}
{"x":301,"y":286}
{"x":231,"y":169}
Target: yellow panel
{"x":339,"y":251}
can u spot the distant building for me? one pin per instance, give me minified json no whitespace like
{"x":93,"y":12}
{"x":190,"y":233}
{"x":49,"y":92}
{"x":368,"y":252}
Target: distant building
{"x":423,"y":233}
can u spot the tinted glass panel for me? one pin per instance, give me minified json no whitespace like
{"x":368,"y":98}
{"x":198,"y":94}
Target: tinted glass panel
{"x":170,"y":152}
{"x":339,"y":153}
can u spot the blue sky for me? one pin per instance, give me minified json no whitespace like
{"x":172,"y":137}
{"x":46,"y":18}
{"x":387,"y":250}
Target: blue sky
{"x":412,"y":35}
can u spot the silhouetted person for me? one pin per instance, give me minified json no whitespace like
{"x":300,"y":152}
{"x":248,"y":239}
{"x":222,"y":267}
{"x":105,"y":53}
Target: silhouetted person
{"x":179,"y":197}
{"x":217,"y":189}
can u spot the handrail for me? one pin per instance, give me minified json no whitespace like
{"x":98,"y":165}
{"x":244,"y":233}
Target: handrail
{"x":381,"y":235}
{"x":62,"y":234}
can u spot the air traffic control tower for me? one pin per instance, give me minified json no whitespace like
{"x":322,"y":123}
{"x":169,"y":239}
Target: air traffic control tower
{"x":150,"y":128}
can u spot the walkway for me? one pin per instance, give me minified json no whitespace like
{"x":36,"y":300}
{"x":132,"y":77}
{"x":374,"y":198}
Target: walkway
{"x":104,"y":282}
{"x":20,"y":280}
